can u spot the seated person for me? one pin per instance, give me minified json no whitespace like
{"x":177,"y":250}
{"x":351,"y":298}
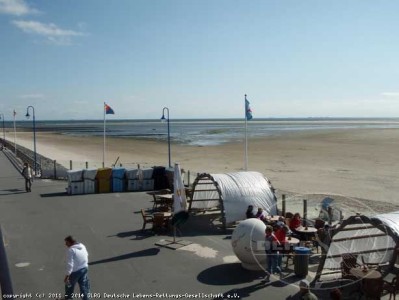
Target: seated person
{"x":281,"y":219}
{"x":295,"y":222}
{"x":261,"y":214}
{"x":250,"y":212}
{"x":305,"y":292}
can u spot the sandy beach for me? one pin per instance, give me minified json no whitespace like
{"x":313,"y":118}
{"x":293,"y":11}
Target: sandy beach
{"x":355,"y":163}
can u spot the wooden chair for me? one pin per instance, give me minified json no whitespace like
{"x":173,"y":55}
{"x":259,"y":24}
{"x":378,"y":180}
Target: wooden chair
{"x":392,"y":287}
{"x":349,"y":261}
{"x":156,"y":198}
{"x":159,"y":223}
{"x":319,"y":223}
{"x":289,"y":255}
{"x":312,"y":244}
{"x":147,"y":219}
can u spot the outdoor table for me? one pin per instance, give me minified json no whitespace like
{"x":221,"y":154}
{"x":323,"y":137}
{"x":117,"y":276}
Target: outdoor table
{"x":159,"y":192}
{"x":306,"y":232}
{"x":291,"y":241}
{"x":369,"y":279}
{"x":306,"y":229}
{"x":273,"y":218}
{"x":156,"y":197}
{"x":361,"y":273}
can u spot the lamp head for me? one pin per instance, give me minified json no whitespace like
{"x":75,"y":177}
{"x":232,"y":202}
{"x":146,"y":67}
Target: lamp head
{"x":163,"y":119}
{"x":27,"y":114}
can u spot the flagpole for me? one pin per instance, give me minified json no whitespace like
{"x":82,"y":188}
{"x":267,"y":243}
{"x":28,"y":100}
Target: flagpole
{"x":246,"y":138}
{"x":104,"y":138}
{"x":15,"y":135}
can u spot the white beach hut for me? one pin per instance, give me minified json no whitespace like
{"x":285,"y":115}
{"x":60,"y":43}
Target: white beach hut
{"x":139,"y":179}
{"x":89,"y":176}
{"x":75,"y":182}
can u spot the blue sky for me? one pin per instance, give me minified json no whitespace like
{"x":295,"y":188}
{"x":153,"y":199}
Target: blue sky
{"x":294,"y":58}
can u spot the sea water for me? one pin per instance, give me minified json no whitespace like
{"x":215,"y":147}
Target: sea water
{"x":204,"y":132}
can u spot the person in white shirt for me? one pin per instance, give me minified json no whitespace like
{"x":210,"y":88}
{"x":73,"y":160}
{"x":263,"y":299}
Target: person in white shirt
{"x":77,"y":260}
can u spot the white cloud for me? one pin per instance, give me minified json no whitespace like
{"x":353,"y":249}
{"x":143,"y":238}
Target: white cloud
{"x":16,"y":8}
{"x":50,"y":31}
{"x":80,"y":102}
{"x":390,"y":94}
{"x":32,"y":96}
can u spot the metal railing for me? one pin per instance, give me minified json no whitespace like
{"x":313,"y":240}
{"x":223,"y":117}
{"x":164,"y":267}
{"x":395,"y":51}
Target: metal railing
{"x":23,"y":156}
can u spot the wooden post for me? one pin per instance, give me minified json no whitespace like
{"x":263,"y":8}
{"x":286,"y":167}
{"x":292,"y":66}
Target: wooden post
{"x":188,"y":177}
{"x":87,"y":164}
{"x":70,"y":165}
{"x":55,"y":169}
{"x":305,"y":212}
{"x":283,"y":205}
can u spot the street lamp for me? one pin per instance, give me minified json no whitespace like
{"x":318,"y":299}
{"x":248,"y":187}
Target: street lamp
{"x":167,"y":119}
{"x":4,"y":133}
{"x":34,"y":132}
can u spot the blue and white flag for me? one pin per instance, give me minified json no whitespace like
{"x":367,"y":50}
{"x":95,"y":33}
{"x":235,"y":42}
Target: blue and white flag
{"x":248,"y":111}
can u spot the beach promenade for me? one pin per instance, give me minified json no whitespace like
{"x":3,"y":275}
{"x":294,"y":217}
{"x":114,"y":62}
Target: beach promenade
{"x":122,"y":259}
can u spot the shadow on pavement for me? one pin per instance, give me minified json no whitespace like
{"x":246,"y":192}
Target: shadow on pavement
{"x":11,"y":192}
{"x":135,"y":235}
{"x":207,"y":224}
{"x":54,"y":195}
{"x":287,"y":280}
{"x":228,"y":274}
{"x":147,"y":252}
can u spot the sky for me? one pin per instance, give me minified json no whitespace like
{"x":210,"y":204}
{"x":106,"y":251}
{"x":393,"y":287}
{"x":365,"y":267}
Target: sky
{"x":293,"y":58}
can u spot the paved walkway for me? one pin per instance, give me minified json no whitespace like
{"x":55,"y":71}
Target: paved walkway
{"x":123,"y":260}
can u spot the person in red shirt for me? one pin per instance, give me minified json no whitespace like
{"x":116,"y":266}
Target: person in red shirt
{"x":295,"y":222}
{"x":280,"y":232}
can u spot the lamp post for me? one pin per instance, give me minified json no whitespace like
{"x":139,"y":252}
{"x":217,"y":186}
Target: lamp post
{"x":167,"y":119}
{"x":34,"y":132}
{"x":4,"y":133}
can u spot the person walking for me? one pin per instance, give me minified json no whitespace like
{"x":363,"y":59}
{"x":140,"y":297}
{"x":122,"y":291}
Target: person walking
{"x":76,"y":268}
{"x":28,"y":175}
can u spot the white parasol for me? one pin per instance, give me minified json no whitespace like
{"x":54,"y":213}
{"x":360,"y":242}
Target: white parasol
{"x":180,"y":213}
{"x":179,"y":197}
